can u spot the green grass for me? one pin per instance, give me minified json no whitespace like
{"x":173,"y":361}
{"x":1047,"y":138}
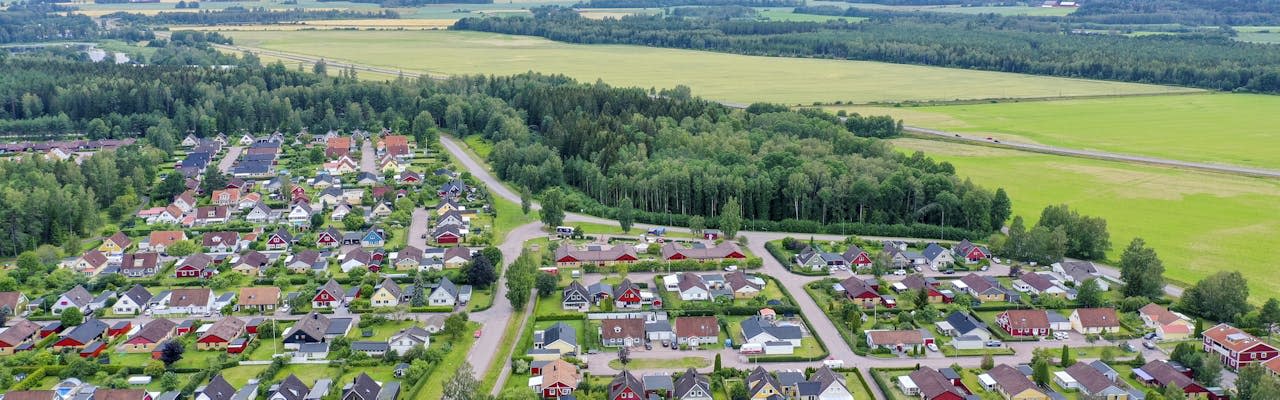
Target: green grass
{"x":754,"y":78}
{"x":478,"y":145}
{"x":434,"y":387}
{"x":1009,"y":10}
{"x":381,"y":332}
{"x":480,"y":298}
{"x":1258,"y":34}
{"x":785,"y":14}
{"x":1233,"y":129}
{"x":656,"y":363}
{"x":239,"y":375}
{"x":1199,"y":223}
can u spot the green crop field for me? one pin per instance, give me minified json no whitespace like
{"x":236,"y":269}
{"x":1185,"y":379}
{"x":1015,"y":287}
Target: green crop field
{"x":1234,"y":129}
{"x":775,"y":79}
{"x":1198,"y":222}
{"x":1002,"y":10}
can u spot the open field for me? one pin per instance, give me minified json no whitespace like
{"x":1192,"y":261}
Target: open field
{"x":1258,"y":34}
{"x":1198,"y":222}
{"x":756,"y":78}
{"x":1236,"y":129}
{"x":449,"y":12}
{"x":1010,"y":10}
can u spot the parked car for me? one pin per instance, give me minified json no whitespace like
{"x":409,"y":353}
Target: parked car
{"x":1149,"y":336}
{"x":1126,"y":346}
{"x":900,"y":272}
{"x":648,"y":346}
{"x":933,"y":347}
{"x":731,"y":268}
{"x":949,"y":272}
{"x":994,"y":343}
{"x":478,"y":332}
{"x":1149,"y":344}
{"x":1061,"y":335}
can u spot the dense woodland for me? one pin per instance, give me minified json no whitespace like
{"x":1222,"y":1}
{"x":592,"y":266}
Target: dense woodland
{"x":674,"y":3}
{"x":240,"y":15}
{"x":987,"y":42}
{"x":1187,"y":12}
{"x":415,"y":3}
{"x":21,"y":24}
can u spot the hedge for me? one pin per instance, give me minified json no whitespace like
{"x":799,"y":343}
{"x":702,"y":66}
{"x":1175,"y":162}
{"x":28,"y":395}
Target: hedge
{"x":32,"y":380}
{"x":431,"y":309}
{"x":561,"y":317}
{"x":884,"y":388}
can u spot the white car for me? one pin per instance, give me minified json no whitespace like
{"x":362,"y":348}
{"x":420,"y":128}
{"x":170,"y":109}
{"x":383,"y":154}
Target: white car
{"x":900,"y":272}
{"x":1061,"y":335}
{"x":933,"y":347}
{"x":731,"y":268}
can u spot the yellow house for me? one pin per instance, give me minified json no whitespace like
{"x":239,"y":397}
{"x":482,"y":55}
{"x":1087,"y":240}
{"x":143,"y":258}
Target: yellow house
{"x":387,"y":294}
{"x":116,"y":244}
{"x":246,"y":269}
{"x":447,"y":206}
{"x":762,"y":384}
{"x":1013,"y":385}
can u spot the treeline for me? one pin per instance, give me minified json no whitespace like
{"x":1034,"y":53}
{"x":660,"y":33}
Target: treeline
{"x":241,"y":15}
{"x":675,"y":154}
{"x":1186,"y":12}
{"x":53,"y":202}
{"x":987,"y":42}
{"x":414,"y":3}
{"x":678,"y":3}
{"x":715,"y":12}
{"x":22,"y":24}
{"x":1060,"y":232}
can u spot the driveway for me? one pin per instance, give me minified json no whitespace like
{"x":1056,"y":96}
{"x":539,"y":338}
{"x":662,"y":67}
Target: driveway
{"x":228,"y":160}
{"x":368,"y":159}
{"x":418,"y":227}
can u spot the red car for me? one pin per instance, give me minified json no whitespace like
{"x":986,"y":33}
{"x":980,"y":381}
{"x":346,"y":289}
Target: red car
{"x":478,"y":331}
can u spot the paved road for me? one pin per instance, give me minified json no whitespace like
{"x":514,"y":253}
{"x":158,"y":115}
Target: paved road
{"x":1220,"y":168}
{"x":228,"y":160}
{"x":418,"y":227}
{"x":495,"y":319}
{"x":368,"y":159}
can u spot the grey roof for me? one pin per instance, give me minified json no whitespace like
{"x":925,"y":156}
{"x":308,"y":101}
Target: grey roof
{"x":219,"y":389}
{"x":657,"y":382}
{"x":688,"y":381}
{"x":560,"y":331}
{"x":313,"y":348}
{"x":139,"y":294}
{"x":338,"y":326}
{"x":78,"y":296}
{"x":364,"y":388}
{"x":657,"y":326}
{"x":448,"y":287}
{"x":88,"y":331}
{"x":314,"y":325}
{"x":753,"y":326}
{"x":963,"y":323}
{"x":292,"y":388}
{"x":808,"y":388}
{"x":933,"y":250}
{"x":370,"y":346}
{"x":790,"y":378}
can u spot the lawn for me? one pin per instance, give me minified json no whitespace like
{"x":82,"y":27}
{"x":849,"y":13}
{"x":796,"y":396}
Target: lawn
{"x":434,"y":387}
{"x":1235,"y":129}
{"x":239,"y":375}
{"x":754,"y":78}
{"x":381,"y":332}
{"x":660,"y":363}
{"x":1198,"y":222}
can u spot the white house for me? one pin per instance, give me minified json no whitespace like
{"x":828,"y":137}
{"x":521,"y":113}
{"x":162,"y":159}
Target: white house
{"x":408,"y":338}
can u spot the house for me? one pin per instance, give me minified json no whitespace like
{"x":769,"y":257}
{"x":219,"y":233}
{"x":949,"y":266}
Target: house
{"x":51,"y":328}
{"x":758,"y":330}
{"x":409,"y":338}
{"x":291,"y":388}
{"x":338,"y":147}
{"x":187,"y":301}
{"x":381,"y":210}
{"x":19,"y":333}
{"x":81,"y":336}
{"x":15,"y":302}
{"x":396,"y":146}
{"x":1034,"y":283}
{"x":570,"y":256}
{"x":721,"y":252}
{"x":307,"y":261}
{"x":447,"y":234}
{"x":856,"y":257}
{"x":982,"y":288}
{"x":78,"y":297}
{"x":691,"y":287}
{"x":959,"y":324}
{"x":225,"y":197}
{"x":575,"y":297}
{"x":91,"y":262}
{"x":898,"y":340}
{"x":312,"y":328}
{"x":937,"y":257}
{"x":251,"y":263}
{"x":220,"y":335}
{"x":139,"y":265}
{"x":328,"y":238}
{"x":930,"y":384}
{"x":198,"y":265}
{"x":171,"y":214}
{"x":827,"y":385}
{"x":409,"y":177}
{"x":452,"y":189}
{"x":1014,"y":385}
{"x":560,"y":337}
{"x":456,"y":257}
{"x":695,"y":331}
{"x":367,"y":179}
{"x":133,"y":301}
{"x":387,"y":294}
{"x":692,"y":386}
{"x":969,"y":252}
{"x":1236,"y":349}
{"x":409,"y":258}
{"x":1162,"y":374}
{"x":625,"y":386}
{"x":929,"y":285}
{"x":1095,"y":320}
{"x":761,"y":385}
{"x":115,"y":244}
{"x":207,"y":215}
{"x":445,"y":294}
{"x":625,"y":332}
{"x":627,"y":295}
{"x":300,"y":215}
{"x":159,"y":241}
{"x":374,"y":237}
{"x":280,"y":239}
{"x":1167,"y":324}
{"x":217,"y":389}
{"x":262,"y":298}
{"x":557,"y":379}
{"x":1094,"y":384}
{"x":742,"y":286}
{"x":224,"y":242}
{"x":185,"y":201}
{"x":813,"y":259}
{"x":149,"y":337}
{"x":859,"y":292}
{"x":1024,"y":322}
{"x":365,"y":388}
{"x":372,"y":349}
{"x":1077,"y":272}
{"x":328,"y":296}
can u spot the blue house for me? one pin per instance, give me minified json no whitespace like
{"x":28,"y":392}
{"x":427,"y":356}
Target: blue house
{"x":375,"y":237}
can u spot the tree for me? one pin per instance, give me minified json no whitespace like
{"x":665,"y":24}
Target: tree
{"x":988,"y":362}
{"x":1269,"y":316}
{"x":1066,"y":357}
{"x":1089,"y":294}
{"x":526,"y":200}
{"x":169,"y":381}
{"x":172,"y":186}
{"x":72,"y":316}
{"x":170,"y":352}
{"x":463,"y":385}
{"x":552,"y":207}
{"x":213,"y":179}
{"x":731,"y":218}
{"x":1040,"y":373}
{"x":1223,"y":295}
{"x":1001,"y":208}
{"x":182,"y":248}
{"x":481,"y":272}
{"x":920,"y":298}
{"x":424,"y":126}
{"x":624,"y":356}
{"x":1210,"y":371}
{"x":626,"y":215}
{"x":6,"y":379}
{"x":716,"y":366}
{"x":353,"y":221}
{"x":546,"y":284}
{"x":697,"y":225}
{"x":4,"y":315}
{"x":320,"y":68}
{"x":455,"y":325}
{"x":1141,"y":270}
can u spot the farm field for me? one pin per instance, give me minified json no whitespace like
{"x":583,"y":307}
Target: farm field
{"x":757,"y":78}
{"x":449,"y":12}
{"x":1258,"y":34}
{"x":1009,"y":10}
{"x":1233,"y":129}
{"x":1198,"y":222}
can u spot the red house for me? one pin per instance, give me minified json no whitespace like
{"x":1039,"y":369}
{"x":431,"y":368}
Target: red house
{"x":280,"y":239}
{"x":328,"y":238}
{"x":568,"y":256}
{"x":252,"y":326}
{"x":559,"y":378}
{"x":81,"y":336}
{"x":969,"y":252}
{"x":626,"y":295}
{"x":1235,"y":348}
{"x":860,"y":292}
{"x":238,"y":345}
{"x":933,"y":385}
{"x":1024,"y":322}
{"x":447,"y":234}
{"x":1162,"y":374}
{"x":120,"y":328}
{"x":197,"y":265}
{"x":51,"y":328}
{"x":329,"y":295}
{"x":186,"y":327}
{"x":297,"y":191}
{"x":93,"y":349}
{"x":856,"y":256}
{"x":626,"y":386}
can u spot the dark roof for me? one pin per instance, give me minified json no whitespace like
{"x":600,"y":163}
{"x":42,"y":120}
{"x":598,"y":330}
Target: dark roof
{"x":448,"y":287}
{"x":933,"y":250}
{"x":365,"y":387}
{"x":1166,"y":374}
{"x":370,"y":346}
{"x":932,"y":383}
{"x":226,"y":329}
{"x":623,"y":287}
{"x":1011,"y":380}
{"x":155,"y":330}
{"x":689,"y":380}
{"x":560,"y":331}
{"x":1089,"y":377}
{"x":219,"y":389}
{"x":963,"y":323}
{"x":87,"y":331}
{"x":624,"y":381}
{"x":313,"y":325}
{"x":391,"y":287}
{"x":78,"y":295}
{"x":753,"y":326}
{"x":139,"y":294}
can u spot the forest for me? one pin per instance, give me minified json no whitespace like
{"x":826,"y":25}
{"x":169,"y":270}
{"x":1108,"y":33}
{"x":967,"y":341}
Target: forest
{"x":241,"y":15}
{"x":987,"y":42}
{"x":414,"y":3}
{"x":1186,"y":12}
{"x":22,"y":24}
{"x":676,"y":3}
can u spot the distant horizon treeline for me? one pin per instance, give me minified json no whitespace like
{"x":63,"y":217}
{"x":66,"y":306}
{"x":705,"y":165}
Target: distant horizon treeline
{"x":678,"y":3}
{"x":985,"y":42}
{"x":241,"y":15}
